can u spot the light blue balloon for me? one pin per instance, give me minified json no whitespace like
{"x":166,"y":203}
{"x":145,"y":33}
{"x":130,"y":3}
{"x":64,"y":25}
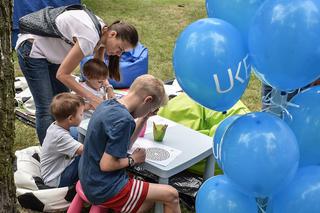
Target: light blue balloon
{"x":210,"y":63}
{"x":305,"y":123}
{"x":259,"y":152}
{"x":239,"y":13}
{"x":222,"y":128}
{"x":284,"y":43}
{"x":219,"y":195}
{"x":302,"y":195}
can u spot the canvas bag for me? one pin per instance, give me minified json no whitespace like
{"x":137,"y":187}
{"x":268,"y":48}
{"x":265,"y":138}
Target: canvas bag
{"x":42,"y":22}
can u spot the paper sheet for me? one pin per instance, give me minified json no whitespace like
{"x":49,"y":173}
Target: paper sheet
{"x":156,"y":152}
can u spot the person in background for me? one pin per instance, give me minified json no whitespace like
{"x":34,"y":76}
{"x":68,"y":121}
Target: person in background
{"x":96,"y":74}
{"x":47,"y":63}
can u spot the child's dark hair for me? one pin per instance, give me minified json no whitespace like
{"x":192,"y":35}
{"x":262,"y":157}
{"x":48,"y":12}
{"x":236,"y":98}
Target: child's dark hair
{"x":95,"y":69}
{"x":125,"y":32}
{"x":65,"y":104}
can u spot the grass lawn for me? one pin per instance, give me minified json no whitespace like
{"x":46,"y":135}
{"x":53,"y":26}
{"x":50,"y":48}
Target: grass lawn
{"x":159,"y":22}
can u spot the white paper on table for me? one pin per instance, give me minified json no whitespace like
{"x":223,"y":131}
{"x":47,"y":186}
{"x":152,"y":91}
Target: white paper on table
{"x":84,"y":123}
{"x":160,"y":154}
{"x":158,"y":120}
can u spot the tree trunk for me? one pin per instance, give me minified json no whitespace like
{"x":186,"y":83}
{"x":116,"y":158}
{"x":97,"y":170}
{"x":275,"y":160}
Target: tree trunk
{"x":7,"y":188}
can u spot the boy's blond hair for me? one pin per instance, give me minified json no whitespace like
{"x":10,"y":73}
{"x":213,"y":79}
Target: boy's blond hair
{"x":65,"y":104}
{"x":148,"y":85}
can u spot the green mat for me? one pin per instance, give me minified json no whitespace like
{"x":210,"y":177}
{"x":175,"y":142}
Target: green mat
{"x":187,"y":112}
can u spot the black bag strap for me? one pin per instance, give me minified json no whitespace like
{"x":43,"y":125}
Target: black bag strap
{"x":31,"y":23}
{"x":94,"y":20}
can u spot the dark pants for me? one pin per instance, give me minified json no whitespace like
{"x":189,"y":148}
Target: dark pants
{"x":41,"y":78}
{"x":70,"y":175}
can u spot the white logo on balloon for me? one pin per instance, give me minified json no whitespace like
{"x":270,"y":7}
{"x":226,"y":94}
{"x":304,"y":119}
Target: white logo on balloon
{"x":231,"y":78}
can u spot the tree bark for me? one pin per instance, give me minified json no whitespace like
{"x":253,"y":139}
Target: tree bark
{"x":7,"y":188}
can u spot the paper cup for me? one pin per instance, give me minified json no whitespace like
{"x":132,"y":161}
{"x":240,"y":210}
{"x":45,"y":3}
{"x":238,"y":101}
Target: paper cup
{"x":159,"y":130}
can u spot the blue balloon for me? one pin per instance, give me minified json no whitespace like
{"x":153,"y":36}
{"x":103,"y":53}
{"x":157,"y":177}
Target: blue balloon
{"x":239,"y":13}
{"x":259,"y":152}
{"x":222,"y":128}
{"x":302,"y":195}
{"x":210,"y":63}
{"x":304,"y":120}
{"x":219,"y":195}
{"x":284,"y":43}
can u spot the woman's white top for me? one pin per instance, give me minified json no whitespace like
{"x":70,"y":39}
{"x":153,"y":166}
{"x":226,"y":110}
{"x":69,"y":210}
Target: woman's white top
{"x":72,"y":24}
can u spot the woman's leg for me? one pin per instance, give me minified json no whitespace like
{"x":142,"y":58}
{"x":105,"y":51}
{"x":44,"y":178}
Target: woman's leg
{"x":165,"y":194}
{"x":36,"y":72}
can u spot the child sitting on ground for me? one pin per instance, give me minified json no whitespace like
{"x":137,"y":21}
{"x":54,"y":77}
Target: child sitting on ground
{"x":59,"y":156}
{"x":96,"y":74}
{"x":111,"y":132}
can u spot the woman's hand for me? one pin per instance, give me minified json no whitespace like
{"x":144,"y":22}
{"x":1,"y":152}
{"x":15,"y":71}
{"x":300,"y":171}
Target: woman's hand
{"x":94,"y":101}
{"x":109,"y":89}
{"x":152,"y":113}
{"x":65,"y":70}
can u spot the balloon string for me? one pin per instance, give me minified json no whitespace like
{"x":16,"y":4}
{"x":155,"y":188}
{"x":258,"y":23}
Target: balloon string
{"x":262,"y":204}
{"x":261,"y":210}
{"x":268,"y":101}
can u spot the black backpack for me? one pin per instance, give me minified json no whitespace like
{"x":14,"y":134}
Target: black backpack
{"x":42,"y":22}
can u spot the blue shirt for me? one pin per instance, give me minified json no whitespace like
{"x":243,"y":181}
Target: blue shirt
{"x":109,"y":131}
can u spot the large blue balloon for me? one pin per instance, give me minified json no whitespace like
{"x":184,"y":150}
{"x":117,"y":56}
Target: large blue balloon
{"x":302,"y":195}
{"x":284,"y":43}
{"x":209,"y":60}
{"x":219,"y":195}
{"x":260,"y":153}
{"x":305,"y":123}
{"x":222,"y":128}
{"x":239,"y":13}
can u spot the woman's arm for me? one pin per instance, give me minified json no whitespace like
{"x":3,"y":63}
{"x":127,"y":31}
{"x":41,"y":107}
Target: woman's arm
{"x":100,"y":53}
{"x":65,"y":70}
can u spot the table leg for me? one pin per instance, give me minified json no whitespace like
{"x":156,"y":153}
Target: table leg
{"x":159,"y":206}
{"x":209,"y":170}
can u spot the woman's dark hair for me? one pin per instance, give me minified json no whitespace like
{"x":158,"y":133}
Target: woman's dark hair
{"x":95,"y":69}
{"x":125,"y":32}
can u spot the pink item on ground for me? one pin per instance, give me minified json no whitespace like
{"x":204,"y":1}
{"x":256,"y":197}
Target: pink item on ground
{"x":79,"y":199}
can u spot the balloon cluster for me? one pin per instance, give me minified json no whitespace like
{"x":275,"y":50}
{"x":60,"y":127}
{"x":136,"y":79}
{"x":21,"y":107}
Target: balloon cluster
{"x":262,"y":155}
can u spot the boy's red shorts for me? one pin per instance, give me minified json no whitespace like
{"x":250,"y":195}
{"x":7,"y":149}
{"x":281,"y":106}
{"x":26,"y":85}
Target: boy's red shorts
{"x":130,"y":198}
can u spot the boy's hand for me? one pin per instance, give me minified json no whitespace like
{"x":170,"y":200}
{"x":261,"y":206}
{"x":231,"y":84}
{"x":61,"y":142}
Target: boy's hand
{"x":108,"y":88}
{"x":139,"y":155}
{"x":88,"y":106}
{"x":152,"y":113}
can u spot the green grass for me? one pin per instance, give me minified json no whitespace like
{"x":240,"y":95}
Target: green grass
{"x":159,"y":22}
